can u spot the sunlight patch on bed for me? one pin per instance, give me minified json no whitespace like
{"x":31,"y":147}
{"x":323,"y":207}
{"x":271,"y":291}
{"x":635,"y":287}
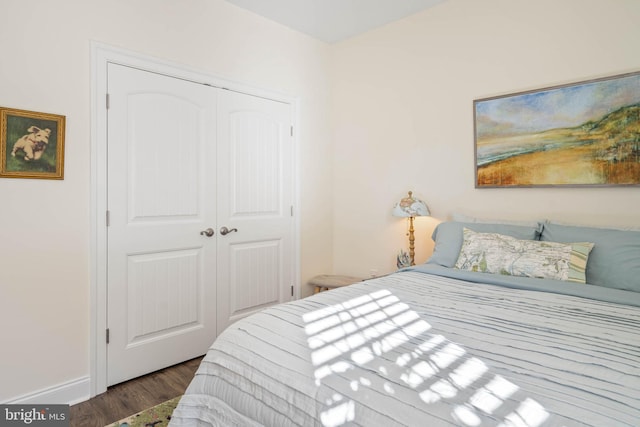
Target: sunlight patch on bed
{"x":339,"y":413}
{"x":384,"y":334}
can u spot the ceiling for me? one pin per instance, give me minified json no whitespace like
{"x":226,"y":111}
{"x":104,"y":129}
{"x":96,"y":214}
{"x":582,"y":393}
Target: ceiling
{"x":334,"y":20}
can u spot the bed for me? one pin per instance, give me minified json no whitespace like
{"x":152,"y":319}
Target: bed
{"x":451,"y":342}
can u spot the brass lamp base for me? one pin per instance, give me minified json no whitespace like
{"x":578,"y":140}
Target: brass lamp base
{"x":412,"y":239}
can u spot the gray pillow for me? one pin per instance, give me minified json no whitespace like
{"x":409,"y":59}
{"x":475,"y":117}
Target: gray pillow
{"x":614,"y":261}
{"x":448,"y":237}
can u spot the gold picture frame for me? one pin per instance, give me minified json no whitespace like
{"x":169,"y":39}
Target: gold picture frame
{"x":31,"y":144}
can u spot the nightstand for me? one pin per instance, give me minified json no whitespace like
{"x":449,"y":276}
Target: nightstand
{"x":324,"y":282}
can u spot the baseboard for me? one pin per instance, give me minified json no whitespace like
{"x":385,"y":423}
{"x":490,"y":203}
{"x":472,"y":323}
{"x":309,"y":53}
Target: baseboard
{"x":70,"y":393}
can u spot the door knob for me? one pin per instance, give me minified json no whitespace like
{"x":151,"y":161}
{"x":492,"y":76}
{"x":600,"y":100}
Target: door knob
{"x":224,"y":230}
{"x":208,"y":232}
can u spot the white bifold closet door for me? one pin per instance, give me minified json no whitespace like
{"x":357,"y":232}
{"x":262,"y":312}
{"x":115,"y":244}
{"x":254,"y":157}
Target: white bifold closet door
{"x":186,"y":160}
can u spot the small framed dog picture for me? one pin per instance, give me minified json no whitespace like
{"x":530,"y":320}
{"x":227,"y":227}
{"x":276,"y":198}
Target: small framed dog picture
{"x":31,"y":144}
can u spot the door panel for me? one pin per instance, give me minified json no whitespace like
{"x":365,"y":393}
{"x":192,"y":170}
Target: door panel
{"x":255,"y":158}
{"x":161,"y":195}
{"x":255,"y":154}
{"x":162,"y":294}
{"x":163,"y":152}
{"x":256,"y":277}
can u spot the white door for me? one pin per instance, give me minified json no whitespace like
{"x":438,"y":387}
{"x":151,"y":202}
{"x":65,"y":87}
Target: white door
{"x":255,"y":200}
{"x":161,"y":197}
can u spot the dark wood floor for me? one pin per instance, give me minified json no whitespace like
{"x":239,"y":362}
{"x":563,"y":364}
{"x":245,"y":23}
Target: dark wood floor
{"x":133,"y":396}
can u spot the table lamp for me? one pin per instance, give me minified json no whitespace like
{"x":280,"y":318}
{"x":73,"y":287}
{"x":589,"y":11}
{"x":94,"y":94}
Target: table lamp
{"x":410,"y":207}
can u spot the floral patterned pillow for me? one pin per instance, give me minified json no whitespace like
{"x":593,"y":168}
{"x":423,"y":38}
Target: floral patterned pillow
{"x":501,"y":254}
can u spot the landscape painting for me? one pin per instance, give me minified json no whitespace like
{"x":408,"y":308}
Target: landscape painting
{"x":583,"y":134}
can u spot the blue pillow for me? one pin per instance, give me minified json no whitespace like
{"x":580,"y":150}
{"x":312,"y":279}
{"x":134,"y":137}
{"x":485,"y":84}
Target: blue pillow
{"x":614,"y":261}
{"x":448,"y":237}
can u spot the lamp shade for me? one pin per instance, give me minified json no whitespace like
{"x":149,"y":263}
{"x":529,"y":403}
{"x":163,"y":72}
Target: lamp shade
{"x":410,"y":207}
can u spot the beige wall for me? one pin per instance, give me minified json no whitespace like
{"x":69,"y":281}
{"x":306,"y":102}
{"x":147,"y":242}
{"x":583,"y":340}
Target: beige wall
{"x":44,"y":225}
{"x":403,"y":115}
{"x":402,"y":110}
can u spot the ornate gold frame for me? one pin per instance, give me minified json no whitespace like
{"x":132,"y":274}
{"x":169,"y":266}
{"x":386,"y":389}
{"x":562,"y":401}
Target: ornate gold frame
{"x":29,"y":159}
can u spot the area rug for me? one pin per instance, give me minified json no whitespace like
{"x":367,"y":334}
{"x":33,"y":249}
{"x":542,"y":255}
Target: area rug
{"x":157,"y":416}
